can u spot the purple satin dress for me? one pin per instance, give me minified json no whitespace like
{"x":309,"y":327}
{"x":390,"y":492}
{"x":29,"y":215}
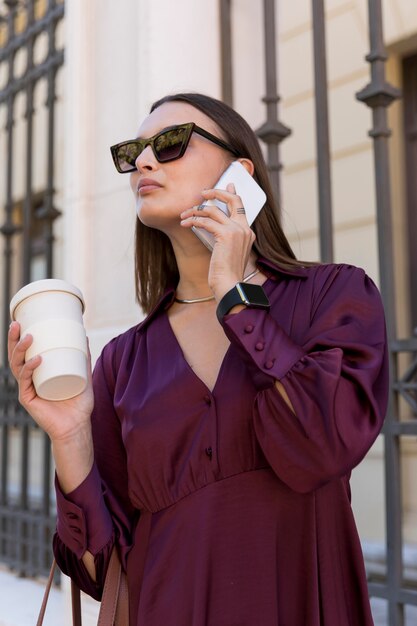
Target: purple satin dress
{"x":227,"y":508}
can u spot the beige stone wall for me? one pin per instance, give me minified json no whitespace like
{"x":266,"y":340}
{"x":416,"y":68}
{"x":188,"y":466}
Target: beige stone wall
{"x":118,"y":63}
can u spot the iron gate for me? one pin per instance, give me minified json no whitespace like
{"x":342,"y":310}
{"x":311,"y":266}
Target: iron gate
{"x":29,"y":63}
{"x":378,"y":95}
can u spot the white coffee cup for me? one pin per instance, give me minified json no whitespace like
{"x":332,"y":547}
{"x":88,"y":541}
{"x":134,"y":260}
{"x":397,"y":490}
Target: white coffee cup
{"x":51,"y":311}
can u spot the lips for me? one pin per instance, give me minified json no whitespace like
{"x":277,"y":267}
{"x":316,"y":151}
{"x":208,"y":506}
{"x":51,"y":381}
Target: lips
{"x":147,"y":184}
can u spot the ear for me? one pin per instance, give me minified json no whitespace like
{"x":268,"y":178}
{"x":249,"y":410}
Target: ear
{"x":248,"y":165}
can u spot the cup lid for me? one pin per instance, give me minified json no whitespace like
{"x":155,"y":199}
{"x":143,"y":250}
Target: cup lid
{"x":47,"y":284}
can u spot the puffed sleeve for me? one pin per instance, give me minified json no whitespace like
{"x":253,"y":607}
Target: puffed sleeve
{"x":98,"y":512}
{"x":335,"y":375}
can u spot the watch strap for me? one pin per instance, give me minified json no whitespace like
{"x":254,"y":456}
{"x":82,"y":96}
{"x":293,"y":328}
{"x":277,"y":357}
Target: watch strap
{"x":237,"y":295}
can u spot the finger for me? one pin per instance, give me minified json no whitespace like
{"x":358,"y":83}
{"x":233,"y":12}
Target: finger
{"x":238,"y":212}
{"x":230,"y":198}
{"x":213,"y":226}
{"x":17,"y":359}
{"x":27,"y":391}
{"x":13,"y":338}
{"x":205,"y":211}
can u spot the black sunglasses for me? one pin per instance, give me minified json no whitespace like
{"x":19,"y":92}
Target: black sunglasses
{"x":168,"y":145}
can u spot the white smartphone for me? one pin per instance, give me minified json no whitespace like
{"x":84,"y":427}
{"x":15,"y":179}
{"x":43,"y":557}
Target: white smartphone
{"x":252,"y":195}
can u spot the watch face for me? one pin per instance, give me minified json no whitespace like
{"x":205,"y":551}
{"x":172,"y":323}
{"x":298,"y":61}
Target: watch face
{"x":255,"y":295}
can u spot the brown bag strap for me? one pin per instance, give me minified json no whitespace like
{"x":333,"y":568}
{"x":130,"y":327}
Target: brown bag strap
{"x":114,"y":609}
{"x":76,"y":605}
{"x":46,"y":594}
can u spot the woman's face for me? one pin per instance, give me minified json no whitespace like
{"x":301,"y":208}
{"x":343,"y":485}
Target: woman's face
{"x":177,"y":184}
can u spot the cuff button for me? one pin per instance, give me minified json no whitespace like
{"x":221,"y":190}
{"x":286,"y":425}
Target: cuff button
{"x":269,"y":364}
{"x":259,"y":346}
{"x":249,"y":328}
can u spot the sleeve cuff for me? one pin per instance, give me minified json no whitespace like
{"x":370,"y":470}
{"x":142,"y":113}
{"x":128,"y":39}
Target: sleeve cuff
{"x":83,"y":521}
{"x":265,"y":347}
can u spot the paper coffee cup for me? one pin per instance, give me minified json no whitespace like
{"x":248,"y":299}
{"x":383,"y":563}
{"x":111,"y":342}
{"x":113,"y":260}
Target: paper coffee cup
{"x":51,"y":311}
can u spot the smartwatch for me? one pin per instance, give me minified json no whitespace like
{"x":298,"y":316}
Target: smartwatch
{"x":252,"y":296}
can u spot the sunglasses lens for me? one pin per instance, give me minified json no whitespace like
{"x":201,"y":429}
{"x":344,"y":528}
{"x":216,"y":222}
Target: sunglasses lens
{"x":171,"y":144}
{"x":127,"y":154}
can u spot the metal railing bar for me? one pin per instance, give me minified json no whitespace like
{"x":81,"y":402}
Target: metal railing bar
{"x":400,"y":429}
{"x":401,"y":595}
{"x":272,"y":132}
{"x":226,"y":51}
{"x":404,"y":345}
{"x":378,"y":95}
{"x":28,"y":202}
{"x":32,"y":516}
{"x":322,"y":133}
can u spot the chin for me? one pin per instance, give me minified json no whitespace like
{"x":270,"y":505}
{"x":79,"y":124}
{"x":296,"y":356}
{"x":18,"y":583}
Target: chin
{"x":155,"y":215}
{"x":157,"y":218}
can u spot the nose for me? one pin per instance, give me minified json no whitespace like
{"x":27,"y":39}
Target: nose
{"x":146,"y":160}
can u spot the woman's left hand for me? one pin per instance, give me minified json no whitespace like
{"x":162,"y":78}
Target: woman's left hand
{"x":233,"y":238}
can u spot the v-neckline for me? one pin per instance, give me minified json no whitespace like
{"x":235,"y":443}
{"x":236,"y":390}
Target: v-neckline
{"x":189,"y":368}
{"x":266,"y":284}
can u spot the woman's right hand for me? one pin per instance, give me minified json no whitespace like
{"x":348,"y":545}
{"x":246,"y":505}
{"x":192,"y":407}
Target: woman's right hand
{"x":62,"y":420}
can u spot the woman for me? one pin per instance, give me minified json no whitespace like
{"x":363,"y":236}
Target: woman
{"x":218,"y":453}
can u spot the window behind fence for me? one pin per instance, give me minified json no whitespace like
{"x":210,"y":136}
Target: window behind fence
{"x":31,"y":55}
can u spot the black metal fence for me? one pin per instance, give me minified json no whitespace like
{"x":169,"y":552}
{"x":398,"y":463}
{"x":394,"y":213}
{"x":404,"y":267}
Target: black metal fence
{"x":378,"y":95}
{"x":29,"y":61}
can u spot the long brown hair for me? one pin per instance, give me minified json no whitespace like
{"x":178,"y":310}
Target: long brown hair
{"x":155,"y":263}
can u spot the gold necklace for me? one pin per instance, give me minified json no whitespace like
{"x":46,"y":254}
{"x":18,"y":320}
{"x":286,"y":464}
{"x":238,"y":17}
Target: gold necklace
{"x":207,"y":298}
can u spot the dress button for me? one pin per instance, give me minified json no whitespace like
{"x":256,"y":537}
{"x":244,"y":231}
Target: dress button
{"x":269,"y":364}
{"x":249,"y":328}
{"x":209,"y":451}
{"x":259,"y":346}
{"x":207,"y":399}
